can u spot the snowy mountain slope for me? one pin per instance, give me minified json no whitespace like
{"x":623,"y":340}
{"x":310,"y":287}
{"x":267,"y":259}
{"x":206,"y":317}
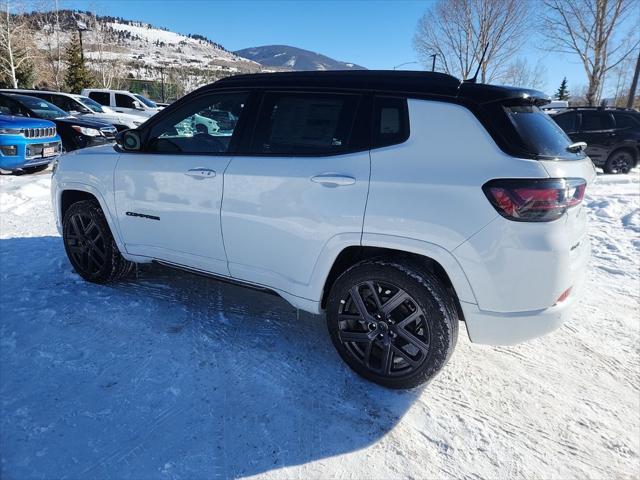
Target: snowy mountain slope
{"x":293,"y":58}
{"x":173,"y":376}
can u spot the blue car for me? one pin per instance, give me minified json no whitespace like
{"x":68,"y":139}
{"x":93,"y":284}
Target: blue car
{"x":27,"y":144}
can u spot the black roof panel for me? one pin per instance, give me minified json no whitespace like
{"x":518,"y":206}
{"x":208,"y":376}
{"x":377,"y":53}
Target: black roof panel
{"x":400,"y":81}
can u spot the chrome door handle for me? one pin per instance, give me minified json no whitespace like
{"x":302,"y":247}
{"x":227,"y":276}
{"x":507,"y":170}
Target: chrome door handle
{"x":333,"y":180}
{"x":201,"y":173}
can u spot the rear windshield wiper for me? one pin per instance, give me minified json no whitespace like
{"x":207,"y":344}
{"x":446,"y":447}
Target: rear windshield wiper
{"x":577,"y":147}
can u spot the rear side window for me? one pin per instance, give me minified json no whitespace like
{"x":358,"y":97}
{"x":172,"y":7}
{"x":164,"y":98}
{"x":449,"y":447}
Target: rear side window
{"x":593,"y":121}
{"x":567,"y":121}
{"x":304,"y":123}
{"x":101,"y":97}
{"x":626,"y":120}
{"x":390,"y":121}
{"x":539,"y":133}
{"x":125,"y":101}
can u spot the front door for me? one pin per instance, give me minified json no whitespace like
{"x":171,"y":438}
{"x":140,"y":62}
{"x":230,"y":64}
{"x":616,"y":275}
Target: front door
{"x":168,"y":196}
{"x":302,"y":184}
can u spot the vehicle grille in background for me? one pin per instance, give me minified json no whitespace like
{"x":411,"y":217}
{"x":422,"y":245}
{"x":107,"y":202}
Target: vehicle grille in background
{"x":39,"y":132}
{"x":109,"y":132}
{"x":36,"y":150}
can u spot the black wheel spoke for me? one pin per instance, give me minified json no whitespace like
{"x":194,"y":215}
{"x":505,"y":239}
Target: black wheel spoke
{"x":406,"y":357}
{"x":386,"y":358}
{"x":411,"y":318}
{"x":412,"y":339}
{"x":355,"y":336}
{"x":373,"y":288}
{"x":359,"y":303}
{"x":395,"y":301}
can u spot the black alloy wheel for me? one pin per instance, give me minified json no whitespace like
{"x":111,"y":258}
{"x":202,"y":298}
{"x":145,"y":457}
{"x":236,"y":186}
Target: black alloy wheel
{"x":620,"y":162}
{"x":90,"y":246}
{"x":392,"y":322}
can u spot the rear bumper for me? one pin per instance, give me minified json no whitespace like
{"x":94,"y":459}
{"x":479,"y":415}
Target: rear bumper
{"x":498,"y":328}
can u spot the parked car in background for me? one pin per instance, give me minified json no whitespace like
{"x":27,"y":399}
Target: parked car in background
{"x":75,"y":132}
{"x":612,"y":135}
{"x":397,"y":202}
{"x":555,"y":106}
{"x":84,"y":106}
{"x":123,"y":101}
{"x":27,"y":144}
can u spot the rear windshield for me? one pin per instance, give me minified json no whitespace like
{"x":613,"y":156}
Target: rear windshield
{"x":541,"y":135}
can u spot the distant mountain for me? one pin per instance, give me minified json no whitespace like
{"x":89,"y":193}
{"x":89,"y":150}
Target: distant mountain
{"x":292,"y":58}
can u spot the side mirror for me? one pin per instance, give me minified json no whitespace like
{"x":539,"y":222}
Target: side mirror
{"x":137,"y":105}
{"x":129,"y":140}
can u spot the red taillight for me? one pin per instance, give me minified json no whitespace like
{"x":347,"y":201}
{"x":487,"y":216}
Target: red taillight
{"x":534,"y":200}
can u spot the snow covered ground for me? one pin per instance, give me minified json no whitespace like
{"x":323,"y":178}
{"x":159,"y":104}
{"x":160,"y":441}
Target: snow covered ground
{"x":179,"y":377}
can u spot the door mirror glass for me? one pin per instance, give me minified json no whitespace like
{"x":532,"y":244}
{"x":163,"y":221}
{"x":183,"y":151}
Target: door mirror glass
{"x":137,"y":105}
{"x":129,"y":140}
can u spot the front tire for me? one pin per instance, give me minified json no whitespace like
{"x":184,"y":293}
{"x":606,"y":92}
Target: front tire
{"x":90,"y":245}
{"x":392,"y":323}
{"x":620,"y":161}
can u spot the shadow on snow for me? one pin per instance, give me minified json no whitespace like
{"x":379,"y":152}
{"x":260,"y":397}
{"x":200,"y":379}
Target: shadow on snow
{"x":168,"y":373}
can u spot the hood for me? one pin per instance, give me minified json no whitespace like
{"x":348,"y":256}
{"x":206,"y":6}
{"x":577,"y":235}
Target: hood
{"x":9,"y":121}
{"x":83,"y":122}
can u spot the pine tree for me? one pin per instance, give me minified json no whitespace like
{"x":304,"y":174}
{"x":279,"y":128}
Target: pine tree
{"x":563,"y":92}
{"x":77,"y":77}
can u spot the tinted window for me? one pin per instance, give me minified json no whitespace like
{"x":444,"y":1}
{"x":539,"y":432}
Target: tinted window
{"x":626,"y":120}
{"x":592,"y":121}
{"x":194,"y":128}
{"x":304,"y":123}
{"x":390,"y":121}
{"x":125,"y":101}
{"x":10,"y":107}
{"x":567,"y":121}
{"x":68,"y":104}
{"x":101,"y":97}
{"x":41,"y":108}
{"x":540,"y":133}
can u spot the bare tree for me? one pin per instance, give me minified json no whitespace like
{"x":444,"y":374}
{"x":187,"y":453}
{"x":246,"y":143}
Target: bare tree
{"x":520,"y":74}
{"x":458,"y":30}
{"x":590,"y":29}
{"x":54,"y":43}
{"x":104,"y":59}
{"x":15,"y":45}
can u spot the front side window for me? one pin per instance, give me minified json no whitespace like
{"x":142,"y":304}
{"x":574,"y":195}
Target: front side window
{"x":146,"y":101}
{"x":594,"y":121}
{"x":390,"y":121}
{"x":101,"y":97}
{"x":91,"y":104}
{"x":304,"y":123}
{"x":125,"y":101}
{"x":205,"y":125}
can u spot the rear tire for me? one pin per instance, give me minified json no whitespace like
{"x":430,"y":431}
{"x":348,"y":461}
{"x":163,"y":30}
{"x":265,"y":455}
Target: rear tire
{"x":401,"y":331}
{"x":620,"y":161}
{"x":90,"y":245}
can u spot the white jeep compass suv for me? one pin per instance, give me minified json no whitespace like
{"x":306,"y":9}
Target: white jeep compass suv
{"x":397,"y":203}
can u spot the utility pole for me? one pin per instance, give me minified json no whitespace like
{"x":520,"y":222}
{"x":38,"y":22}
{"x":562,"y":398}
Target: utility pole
{"x":82,"y":27}
{"x":634,"y":84}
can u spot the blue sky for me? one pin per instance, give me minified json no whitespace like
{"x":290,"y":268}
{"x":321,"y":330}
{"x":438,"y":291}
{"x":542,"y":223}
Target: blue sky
{"x":375,"y":34}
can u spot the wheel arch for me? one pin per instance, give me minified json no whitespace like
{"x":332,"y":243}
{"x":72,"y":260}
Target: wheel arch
{"x":437,"y":261}
{"x":71,"y":193}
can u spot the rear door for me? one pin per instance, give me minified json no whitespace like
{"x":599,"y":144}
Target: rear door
{"x":301,"y":184}
{"x":598,"y":131}
{"x":168,"y":196}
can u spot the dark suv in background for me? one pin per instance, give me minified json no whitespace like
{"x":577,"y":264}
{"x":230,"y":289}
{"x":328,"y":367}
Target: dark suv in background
{"x":612,"y":135}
